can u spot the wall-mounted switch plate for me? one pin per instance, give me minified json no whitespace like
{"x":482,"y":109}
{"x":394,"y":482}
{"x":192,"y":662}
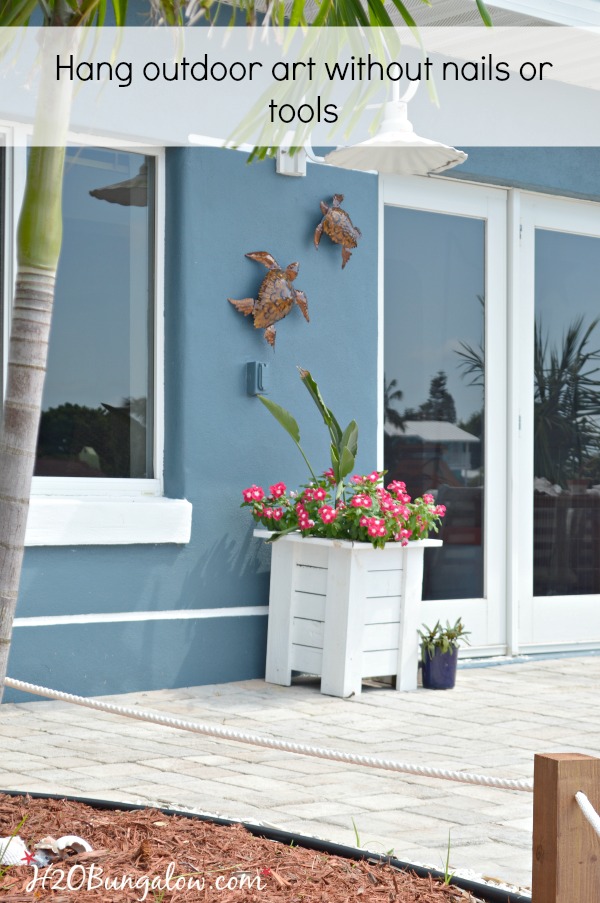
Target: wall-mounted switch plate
{"x":256,"y":378}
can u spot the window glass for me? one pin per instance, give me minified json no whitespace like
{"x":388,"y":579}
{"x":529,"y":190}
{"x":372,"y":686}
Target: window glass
{"x":98,"y":396}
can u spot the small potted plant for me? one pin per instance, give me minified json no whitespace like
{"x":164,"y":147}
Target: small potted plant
{"x":439,"y":654}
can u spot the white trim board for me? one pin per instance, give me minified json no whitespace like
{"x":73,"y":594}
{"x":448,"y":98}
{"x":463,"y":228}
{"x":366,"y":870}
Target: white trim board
{"x":115,"y":617}
{"x":118,"y":521}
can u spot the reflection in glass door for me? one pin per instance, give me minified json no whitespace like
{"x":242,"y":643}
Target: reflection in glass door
{"x":434,"y":383}
{"x":566,"y":519}
{"x":442,"y":267}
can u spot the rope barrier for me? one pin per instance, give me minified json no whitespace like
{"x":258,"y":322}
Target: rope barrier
{"x":589,"y":811}
{"x":272,"y":742}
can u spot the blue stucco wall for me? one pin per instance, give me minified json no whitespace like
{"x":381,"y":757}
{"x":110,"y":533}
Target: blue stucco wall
{"x":567,"y":171}
{"x":218,"y":439}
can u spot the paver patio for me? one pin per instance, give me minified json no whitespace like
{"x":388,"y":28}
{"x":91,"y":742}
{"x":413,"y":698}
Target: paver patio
{"x":491,"y":723}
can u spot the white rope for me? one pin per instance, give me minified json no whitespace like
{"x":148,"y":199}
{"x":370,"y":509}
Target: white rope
{"x":272,"y":742}
{"x":589,"y":811}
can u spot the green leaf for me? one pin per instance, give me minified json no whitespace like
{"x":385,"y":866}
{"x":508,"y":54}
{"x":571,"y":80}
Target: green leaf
{"x":350,"y":438}
{"x":297,"y":15}
{"x":346,"y":462}
{"x":484,"y":13}
{"x":283,"y":417}
{"x":335,"y":463}
{"x":290,"y":426}
{"x":120,"y":10}
{"x":16,"y":12}
{"x":331,"y":423}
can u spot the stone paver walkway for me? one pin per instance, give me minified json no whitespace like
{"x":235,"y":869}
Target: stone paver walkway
{"x":492,"y":723}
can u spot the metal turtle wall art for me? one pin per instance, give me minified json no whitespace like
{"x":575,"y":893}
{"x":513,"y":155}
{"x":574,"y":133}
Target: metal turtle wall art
{"x":276,"y":296}
{"x":336,"y":223}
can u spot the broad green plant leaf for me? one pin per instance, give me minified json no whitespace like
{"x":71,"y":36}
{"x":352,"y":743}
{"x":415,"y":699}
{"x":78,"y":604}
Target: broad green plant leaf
{"x":350,"y":437}
{"x":290,"y":425}
{"x":287,"y":421}
{"x":331,"y":423}
{"x":346,"y":462}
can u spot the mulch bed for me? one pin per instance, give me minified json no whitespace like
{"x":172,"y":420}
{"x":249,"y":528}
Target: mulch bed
{"x":135,"y":852}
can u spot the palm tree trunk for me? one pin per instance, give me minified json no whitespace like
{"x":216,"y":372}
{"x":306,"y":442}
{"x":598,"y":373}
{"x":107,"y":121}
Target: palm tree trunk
{"x":38,"y":248}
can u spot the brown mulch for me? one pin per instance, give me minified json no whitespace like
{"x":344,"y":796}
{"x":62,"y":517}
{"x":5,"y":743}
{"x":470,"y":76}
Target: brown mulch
{"x":133,"y":852}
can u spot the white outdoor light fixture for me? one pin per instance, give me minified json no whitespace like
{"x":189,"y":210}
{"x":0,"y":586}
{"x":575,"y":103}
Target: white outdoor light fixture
{"x":396,"y":148}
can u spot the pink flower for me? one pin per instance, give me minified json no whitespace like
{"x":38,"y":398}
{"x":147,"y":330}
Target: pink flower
{"x":277,"y":513}
{"x":329,"y":475}
{"x":253,"y":494}
{"x":428,"y":498}
{"x":440,"y":510}
{"x":356,"y":478}
{"x":373,"y":476}
{"x":308,"y":495}
{"x":364,"y":521}
{"x":397,"y":486}
{"x":376,"y":527}
{"x":319,"y":494}
{"x":327,"y":514}
{"x":360,"y":500}
{"x":277,"y":490}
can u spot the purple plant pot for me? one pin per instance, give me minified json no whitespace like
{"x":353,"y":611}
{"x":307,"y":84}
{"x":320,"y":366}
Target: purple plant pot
{"x":439,"y":672}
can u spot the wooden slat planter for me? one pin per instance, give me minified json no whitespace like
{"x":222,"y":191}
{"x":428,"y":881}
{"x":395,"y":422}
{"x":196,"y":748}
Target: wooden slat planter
{"x":344,"y":611}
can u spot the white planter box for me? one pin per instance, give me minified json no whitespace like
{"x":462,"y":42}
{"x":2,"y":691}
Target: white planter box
{"x":344,"y":611}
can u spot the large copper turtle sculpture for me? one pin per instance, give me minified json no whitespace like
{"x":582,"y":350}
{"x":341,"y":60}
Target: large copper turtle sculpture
{"x":276,"y":296}
{"x":337,"y":224}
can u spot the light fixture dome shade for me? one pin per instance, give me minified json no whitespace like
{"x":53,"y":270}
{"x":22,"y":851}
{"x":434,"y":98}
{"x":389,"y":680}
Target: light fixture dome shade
{"x":418,"y":157}
{"x":397,"y":149}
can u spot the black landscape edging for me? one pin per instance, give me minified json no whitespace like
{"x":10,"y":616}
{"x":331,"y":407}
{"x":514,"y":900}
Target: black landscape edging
{"x":486,"y":892}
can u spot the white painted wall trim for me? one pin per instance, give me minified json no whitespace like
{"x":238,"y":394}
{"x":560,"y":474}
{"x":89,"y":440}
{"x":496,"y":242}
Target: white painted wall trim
{"x":96,"y":521}
{"x":116,"y":617}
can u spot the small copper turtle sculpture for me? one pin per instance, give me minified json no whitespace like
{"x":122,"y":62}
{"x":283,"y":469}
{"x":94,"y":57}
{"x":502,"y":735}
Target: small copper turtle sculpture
{"x":339,"y":227}
{"x":276,"y":296}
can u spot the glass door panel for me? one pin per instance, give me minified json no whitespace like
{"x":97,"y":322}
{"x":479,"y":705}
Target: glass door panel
{"x":434,"y":383}
{"x":566,"y":506}
{"x":443,"y":386}
{"x":558,"y":321}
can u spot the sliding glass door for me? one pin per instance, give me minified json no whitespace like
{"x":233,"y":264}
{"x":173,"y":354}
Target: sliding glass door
{"x":444,"y":358}
{"x":559,"y":371}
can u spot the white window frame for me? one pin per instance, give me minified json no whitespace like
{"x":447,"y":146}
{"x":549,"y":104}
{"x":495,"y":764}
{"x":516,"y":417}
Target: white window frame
{"x":113,"y":511}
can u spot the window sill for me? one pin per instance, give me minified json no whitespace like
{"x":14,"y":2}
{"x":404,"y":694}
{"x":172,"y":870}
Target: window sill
{"x":115,"y":521}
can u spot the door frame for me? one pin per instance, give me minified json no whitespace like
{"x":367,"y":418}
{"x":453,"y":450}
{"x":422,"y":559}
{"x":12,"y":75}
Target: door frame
{"x":486,"y":618}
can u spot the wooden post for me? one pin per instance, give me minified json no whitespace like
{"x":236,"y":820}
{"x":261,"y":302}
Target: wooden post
{"x":566,"y":849}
